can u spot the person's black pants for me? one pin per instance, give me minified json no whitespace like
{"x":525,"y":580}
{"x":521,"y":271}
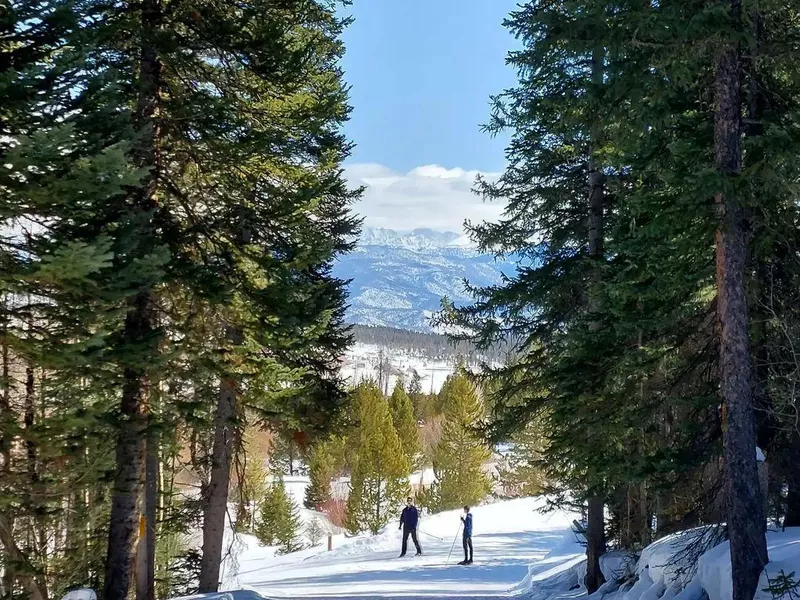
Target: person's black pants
{"x":413,"y":533}
{"x":467,"y":539}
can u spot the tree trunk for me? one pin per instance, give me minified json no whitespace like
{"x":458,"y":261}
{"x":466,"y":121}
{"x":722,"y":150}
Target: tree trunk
{"x":139,"y":328}
{"x":130,"y":459}
{"x":746,"y":524}
{"x":792,"y":518}
{"x":152,"y":469}
{"x":5,"y":457}
{"x":216,"y":496}
{"x":140,"y":565}
{"x":29,"y":420}
{"x":146,"y":548}
{"x":595,"y":531}
{"x":595,"y":544}
{"x":644,"y":516}
{"x":291,"y":458}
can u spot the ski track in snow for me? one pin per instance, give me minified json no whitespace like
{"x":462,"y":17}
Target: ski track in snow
{"x":509,"y":538}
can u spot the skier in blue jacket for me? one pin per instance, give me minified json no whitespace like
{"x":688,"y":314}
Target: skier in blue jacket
{"x":408,"y":523}
{"x":467,"y":536}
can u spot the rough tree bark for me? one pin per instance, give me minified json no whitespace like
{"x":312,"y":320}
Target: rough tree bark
{"x":130,"y":459}
{"x":216,"y":494}
{"x":746,"y":523}
{"x":146,"y":547}
{"x":152,"y":470}
{"x":139,"y":329}
{"x":5,"y":456}
{"x":595,"y":530}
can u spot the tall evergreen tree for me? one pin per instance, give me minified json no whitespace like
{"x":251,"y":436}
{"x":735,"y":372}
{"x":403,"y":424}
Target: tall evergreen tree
{"x":322,"y":468}
{"x":224,"y":194}
{"x":624,"y":349}
{"x":379,"y":467}
{"x":746,"y":518}
{"x":405,"y":424}
{"x":461,"y":453}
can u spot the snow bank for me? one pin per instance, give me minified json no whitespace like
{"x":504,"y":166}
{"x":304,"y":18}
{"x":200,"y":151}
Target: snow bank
{"x":670,"y":559}
{"x":235,"y":595}
{"x":714,"y":569}
{"x":664,"y":570}
{"x":80,"y":594}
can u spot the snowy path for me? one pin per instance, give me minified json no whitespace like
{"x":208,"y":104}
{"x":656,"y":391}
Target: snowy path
{"x":509,"y":536}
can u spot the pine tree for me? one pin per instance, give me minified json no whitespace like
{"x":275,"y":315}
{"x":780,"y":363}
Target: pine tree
{"x":289,"y":539}
{"x":322,"y":467}
{"x":405,"y":425}
{"x":379,"y":467}
{"x":314,"y":532}
{"x":524,"y":473}
{"x":617,"y":349}
{"x":279,"y":520}
{"x":284,"y":455}
{"x":458,"y":459}
{"x":746,"y":518}
{"x":162,"y":207}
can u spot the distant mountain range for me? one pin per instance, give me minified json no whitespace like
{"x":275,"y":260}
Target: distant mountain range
{"x":399,"y":278}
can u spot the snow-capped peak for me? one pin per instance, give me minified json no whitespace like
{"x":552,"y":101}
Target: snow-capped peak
{"x":418,"y":239}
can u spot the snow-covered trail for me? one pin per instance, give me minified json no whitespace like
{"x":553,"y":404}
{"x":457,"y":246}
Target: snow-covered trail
{"x":508,"y":538}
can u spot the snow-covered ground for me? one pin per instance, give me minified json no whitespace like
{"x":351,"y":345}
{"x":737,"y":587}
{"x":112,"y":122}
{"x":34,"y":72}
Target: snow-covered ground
{"x":362,"y":362}
{"x":508,"y":538}
{"x":519,"y":553}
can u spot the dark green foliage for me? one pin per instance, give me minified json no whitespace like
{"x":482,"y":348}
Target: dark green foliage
{"x":178,"y":170}
{"x":783,"y":586}
{"x":617,"y":356}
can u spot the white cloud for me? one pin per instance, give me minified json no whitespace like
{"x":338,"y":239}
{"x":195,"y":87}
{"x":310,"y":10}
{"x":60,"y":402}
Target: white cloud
{"x":428,"y":196}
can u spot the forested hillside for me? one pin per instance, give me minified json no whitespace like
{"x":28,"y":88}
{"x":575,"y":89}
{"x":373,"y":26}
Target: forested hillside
{"x":428,"y":345}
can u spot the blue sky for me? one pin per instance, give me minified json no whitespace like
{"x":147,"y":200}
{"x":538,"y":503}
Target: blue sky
{"x":421,"y":73}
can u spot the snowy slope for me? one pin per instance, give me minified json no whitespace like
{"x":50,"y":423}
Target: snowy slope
{"x":508,"y":537}
{"x":519,"y":553}
{"x":362,"y":362}
{"x":400,"y":278}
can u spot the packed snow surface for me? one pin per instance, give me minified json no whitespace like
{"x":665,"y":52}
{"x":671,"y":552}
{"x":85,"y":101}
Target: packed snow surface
{"x":508,"y":538}
{"x":520,"y":553}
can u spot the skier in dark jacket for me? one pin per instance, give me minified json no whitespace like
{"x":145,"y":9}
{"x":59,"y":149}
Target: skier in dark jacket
{"x":467,"y":536}
{"x":408,"y":523}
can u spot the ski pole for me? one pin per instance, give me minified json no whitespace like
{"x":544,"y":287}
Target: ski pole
{"x":429,"y":535}
{"x":454,"y":545}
